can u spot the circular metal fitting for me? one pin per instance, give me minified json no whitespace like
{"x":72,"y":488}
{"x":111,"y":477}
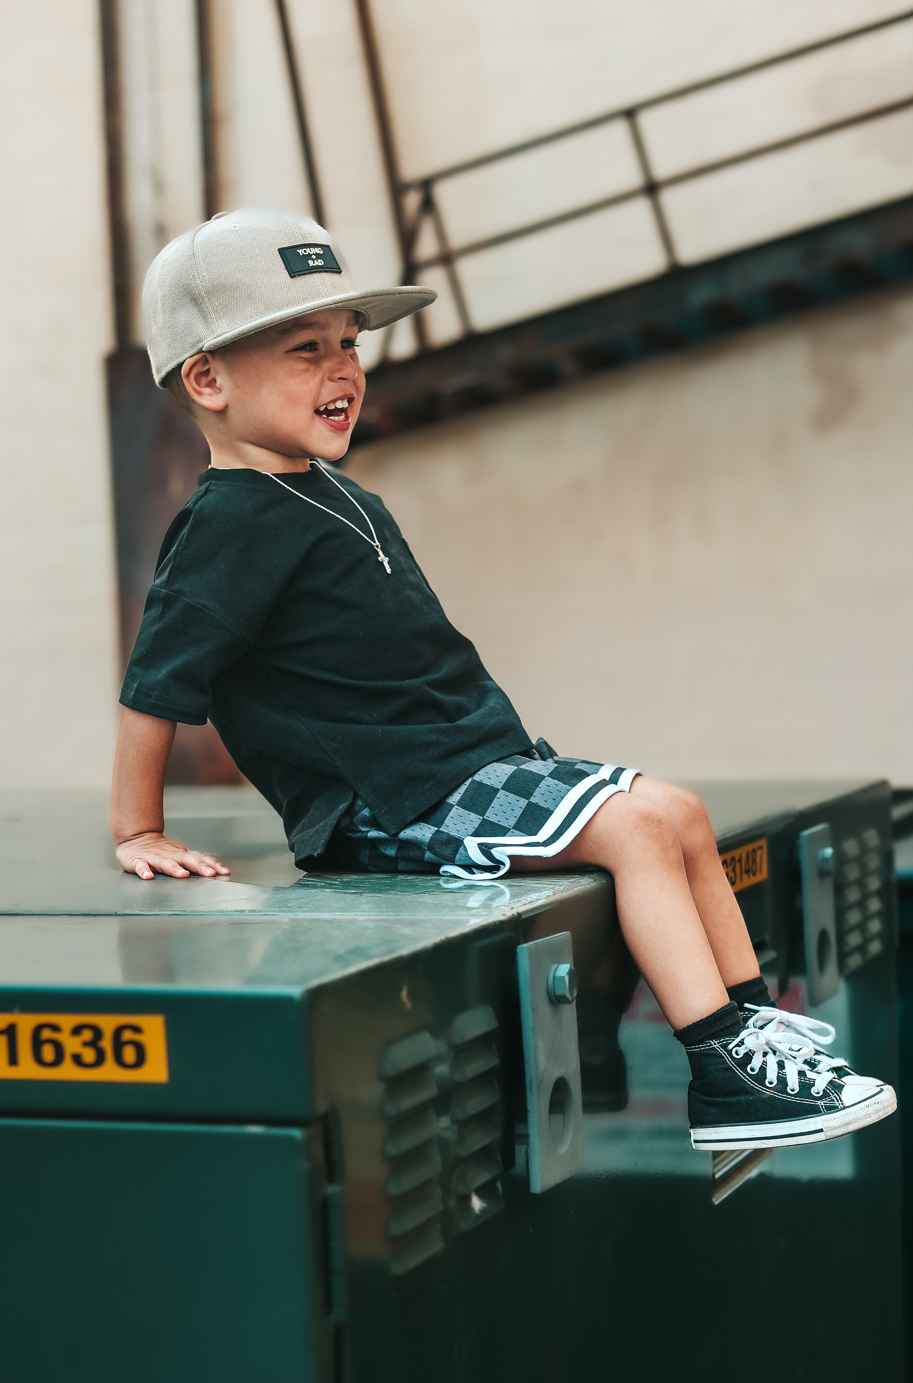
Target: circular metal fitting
{"x":562,"y":984}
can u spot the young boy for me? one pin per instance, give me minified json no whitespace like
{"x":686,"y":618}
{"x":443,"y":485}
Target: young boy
{"x":288,"y":609}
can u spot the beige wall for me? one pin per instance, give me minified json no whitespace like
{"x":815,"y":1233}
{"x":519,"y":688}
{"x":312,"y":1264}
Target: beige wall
{"x":702,"y":565}
{"x":57,"y":597}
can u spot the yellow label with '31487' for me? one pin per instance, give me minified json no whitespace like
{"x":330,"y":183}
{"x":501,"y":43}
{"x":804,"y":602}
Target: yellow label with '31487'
{"x":84,"y":1046}
{"x":746,"y":865}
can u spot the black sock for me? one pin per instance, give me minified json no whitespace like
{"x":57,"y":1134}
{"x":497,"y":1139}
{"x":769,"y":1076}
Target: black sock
{"x":725,"y":1022}
{"x":751,"y":992}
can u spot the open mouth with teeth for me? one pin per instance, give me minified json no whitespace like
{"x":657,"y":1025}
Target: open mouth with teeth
{"x":335,"y":413}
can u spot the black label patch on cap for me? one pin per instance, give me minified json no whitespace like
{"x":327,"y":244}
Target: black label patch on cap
{"x":309,"y":259}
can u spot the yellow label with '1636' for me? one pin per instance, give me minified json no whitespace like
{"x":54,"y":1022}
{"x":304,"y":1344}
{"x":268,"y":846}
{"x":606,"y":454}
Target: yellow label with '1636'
{"x":745,"y":865}
{"x":84,"y":1046}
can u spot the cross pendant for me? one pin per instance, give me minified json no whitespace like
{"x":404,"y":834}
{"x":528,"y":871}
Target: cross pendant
{"x":382,"y":558}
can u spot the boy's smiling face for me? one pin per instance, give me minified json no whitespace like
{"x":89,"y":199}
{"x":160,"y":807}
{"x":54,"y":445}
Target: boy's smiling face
{"x":282,"y":395}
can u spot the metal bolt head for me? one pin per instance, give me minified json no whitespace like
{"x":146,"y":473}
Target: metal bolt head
{"x":826,"y":860}
{"x":562,"y":984}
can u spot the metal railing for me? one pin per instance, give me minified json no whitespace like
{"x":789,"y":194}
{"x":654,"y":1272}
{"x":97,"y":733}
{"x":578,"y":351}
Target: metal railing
{"x":412,"y":220}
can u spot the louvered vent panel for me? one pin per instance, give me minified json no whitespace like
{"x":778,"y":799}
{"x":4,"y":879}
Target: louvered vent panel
{"x":476,"y":1117}
{"x":413,"y":1181}
{"x":860,"y":900}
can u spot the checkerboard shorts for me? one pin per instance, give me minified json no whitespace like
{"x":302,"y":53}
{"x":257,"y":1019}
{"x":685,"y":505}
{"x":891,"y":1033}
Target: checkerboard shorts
{"x":515,"y":806}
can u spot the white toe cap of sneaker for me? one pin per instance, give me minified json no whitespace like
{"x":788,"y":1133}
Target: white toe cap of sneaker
{"x":860,"y":1089}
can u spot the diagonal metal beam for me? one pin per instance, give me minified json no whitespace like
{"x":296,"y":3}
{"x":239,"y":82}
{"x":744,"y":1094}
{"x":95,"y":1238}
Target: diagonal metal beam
{"x":114,"y":153}
{"x":307,"y":149}
{"x":388,"y":147}
{"x":205,"y":77}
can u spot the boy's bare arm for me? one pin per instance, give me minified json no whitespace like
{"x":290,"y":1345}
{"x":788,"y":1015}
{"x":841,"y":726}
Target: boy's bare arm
{"x":137,"y":814}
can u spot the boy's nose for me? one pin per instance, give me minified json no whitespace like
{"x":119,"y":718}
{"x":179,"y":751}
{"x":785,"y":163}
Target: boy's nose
{"x":343,"y":367}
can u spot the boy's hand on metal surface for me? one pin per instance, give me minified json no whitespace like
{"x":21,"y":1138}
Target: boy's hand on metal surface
{"x":153,"y":853}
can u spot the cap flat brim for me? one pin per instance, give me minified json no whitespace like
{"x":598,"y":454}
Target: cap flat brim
{"x":381,"y":307}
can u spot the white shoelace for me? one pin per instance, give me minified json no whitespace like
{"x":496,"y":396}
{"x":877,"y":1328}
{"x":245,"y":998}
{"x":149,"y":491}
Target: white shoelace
{"x":770,"y":1049}
{"x":820,"y":1034}
{"x":814,"y":1029}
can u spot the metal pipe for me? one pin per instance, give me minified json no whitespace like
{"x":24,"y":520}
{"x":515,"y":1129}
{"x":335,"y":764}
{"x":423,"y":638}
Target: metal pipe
{"x":505,"y":237}
{"x":114,"y":157}
{"x":307,"y":151}
{"x":651,"y":188}
{"x":448,"y":258}
{"x":388,"y":148}
{"x":205,"y":69}
{"x":789,"y":142}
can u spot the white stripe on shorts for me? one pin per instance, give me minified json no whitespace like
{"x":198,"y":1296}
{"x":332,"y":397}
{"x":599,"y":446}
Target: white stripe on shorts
{"x":573,"y":812}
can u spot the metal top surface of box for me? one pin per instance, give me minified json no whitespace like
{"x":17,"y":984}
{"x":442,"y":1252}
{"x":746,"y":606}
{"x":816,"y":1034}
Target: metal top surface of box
{"x":76,"y":919}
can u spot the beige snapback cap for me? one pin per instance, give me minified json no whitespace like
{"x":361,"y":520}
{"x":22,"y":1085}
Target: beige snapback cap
{"x":246,"y":270}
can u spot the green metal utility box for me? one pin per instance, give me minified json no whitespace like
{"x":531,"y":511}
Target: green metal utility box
{"x":286,"y":1128}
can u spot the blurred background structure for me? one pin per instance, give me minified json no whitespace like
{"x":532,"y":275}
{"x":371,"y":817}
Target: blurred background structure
{"x":653,"y":444}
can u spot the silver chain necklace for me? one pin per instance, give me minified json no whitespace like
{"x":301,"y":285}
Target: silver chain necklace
{"x":372,"y":541}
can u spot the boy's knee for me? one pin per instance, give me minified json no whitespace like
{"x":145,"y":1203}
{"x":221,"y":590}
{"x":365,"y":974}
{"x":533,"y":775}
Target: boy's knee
{"x":689,"y":805}
{"x":689,"y":817}
{"x":643,"y":821}
{"x":682,"y":810}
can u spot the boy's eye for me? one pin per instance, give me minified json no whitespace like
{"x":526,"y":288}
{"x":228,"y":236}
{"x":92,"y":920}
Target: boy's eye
{"x":348,"y":343}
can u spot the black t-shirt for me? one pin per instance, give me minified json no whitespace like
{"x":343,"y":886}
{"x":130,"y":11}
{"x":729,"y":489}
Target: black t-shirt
{"x":324,"y":676}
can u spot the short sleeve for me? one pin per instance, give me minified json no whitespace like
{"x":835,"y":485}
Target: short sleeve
{"x":220,"y":571}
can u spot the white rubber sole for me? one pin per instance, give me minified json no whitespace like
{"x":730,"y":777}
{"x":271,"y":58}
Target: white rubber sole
{"x":791,"y":1133}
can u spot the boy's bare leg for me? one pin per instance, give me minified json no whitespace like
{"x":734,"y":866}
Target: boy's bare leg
{"x":640,"y":848}
{"x":643,"y":839}
{"x":714,"y":899}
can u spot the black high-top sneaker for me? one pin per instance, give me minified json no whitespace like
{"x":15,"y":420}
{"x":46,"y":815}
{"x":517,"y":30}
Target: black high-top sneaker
{"x":756,"y":1090}
{"x":778,"y":1023}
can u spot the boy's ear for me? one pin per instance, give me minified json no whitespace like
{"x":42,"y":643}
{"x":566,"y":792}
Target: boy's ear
{"x":201,"y":382}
